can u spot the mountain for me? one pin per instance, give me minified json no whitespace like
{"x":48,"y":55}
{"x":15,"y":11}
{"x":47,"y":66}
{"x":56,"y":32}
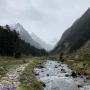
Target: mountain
{"x":43,"y":44}
{"x":24,"y":35}
{"x":76,"y":36}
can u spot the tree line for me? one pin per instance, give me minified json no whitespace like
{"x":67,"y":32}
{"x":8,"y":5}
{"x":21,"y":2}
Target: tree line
{"x":12,"y":45}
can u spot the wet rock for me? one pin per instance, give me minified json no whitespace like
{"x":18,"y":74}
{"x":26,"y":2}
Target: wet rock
{"x":67,"y":75}
{"x":87,"y":78}
{"x":36,"y":74}
{"x":79,"y":86}
{"x":47,"y":74}
{"x":82,"y":76}
{"x":60,"y":65}
{"x":56,"y":66}
{"x":39,"y":66}
{"x":58,"y":62}
{"x":42,"y":71}
{"x":63,"y":71}
{"x":43,"y":84}
{"x":73,"y":74}
{"x":62,"y":61}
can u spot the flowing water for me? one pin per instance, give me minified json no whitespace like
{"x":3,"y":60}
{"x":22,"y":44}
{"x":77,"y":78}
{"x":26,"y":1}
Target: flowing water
{"x":57,"y":76}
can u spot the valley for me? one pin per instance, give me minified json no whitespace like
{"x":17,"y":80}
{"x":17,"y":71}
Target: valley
{"x":42,"y":74}
{"x":29,"y":57}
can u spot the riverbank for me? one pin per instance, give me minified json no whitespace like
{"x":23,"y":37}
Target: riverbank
{"x":42,"y":74}
{"x":18,"y":73}
{"x":28,"y":79}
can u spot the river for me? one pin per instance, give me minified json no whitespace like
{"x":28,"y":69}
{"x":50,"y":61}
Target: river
{"x":57,"y":76}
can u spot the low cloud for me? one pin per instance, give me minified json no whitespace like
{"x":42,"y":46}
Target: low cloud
{"x":47,"y":18}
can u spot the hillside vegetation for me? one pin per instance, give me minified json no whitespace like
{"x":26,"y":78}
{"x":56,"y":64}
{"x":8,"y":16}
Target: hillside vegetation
{"x":76,"y":36}
{"x":12,"y":45}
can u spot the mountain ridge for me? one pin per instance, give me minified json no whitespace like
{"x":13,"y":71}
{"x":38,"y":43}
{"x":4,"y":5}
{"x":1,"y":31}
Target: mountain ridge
{"x":25,"y":35}
{"x":76,"y":36}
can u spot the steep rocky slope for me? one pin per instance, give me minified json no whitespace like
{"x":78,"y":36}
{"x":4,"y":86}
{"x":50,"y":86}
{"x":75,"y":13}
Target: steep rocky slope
{"x":76,"y":36}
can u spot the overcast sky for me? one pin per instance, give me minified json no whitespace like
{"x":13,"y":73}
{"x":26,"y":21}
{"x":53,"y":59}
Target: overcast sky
{"x":46,"y":18}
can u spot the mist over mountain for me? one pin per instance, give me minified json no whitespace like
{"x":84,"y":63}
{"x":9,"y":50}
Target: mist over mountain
{"x":24,"y":35}
{"x":76,"y":36}
{"x":43,"y":44}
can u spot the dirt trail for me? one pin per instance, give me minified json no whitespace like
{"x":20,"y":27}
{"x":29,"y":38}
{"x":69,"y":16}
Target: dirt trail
{"x":10,"y":81}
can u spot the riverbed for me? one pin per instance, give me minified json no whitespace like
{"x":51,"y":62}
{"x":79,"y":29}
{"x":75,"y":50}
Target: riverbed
{"x":57,"y":76}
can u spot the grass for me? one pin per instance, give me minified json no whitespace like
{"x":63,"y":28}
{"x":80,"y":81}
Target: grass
{"x":6,"y":63}
{"x":80,"y":65}
{"x":28,"y":79}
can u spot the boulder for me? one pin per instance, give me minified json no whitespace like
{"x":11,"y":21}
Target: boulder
{"x":73,"y":74}
{"x":63,"y":71}
{"x":79,"y":86}
{"x":67,"y":75}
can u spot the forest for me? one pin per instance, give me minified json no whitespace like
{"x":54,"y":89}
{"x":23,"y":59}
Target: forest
{"x":12,"y":45}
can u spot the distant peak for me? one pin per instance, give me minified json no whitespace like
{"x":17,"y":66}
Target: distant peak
{"x":18,"y":25}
